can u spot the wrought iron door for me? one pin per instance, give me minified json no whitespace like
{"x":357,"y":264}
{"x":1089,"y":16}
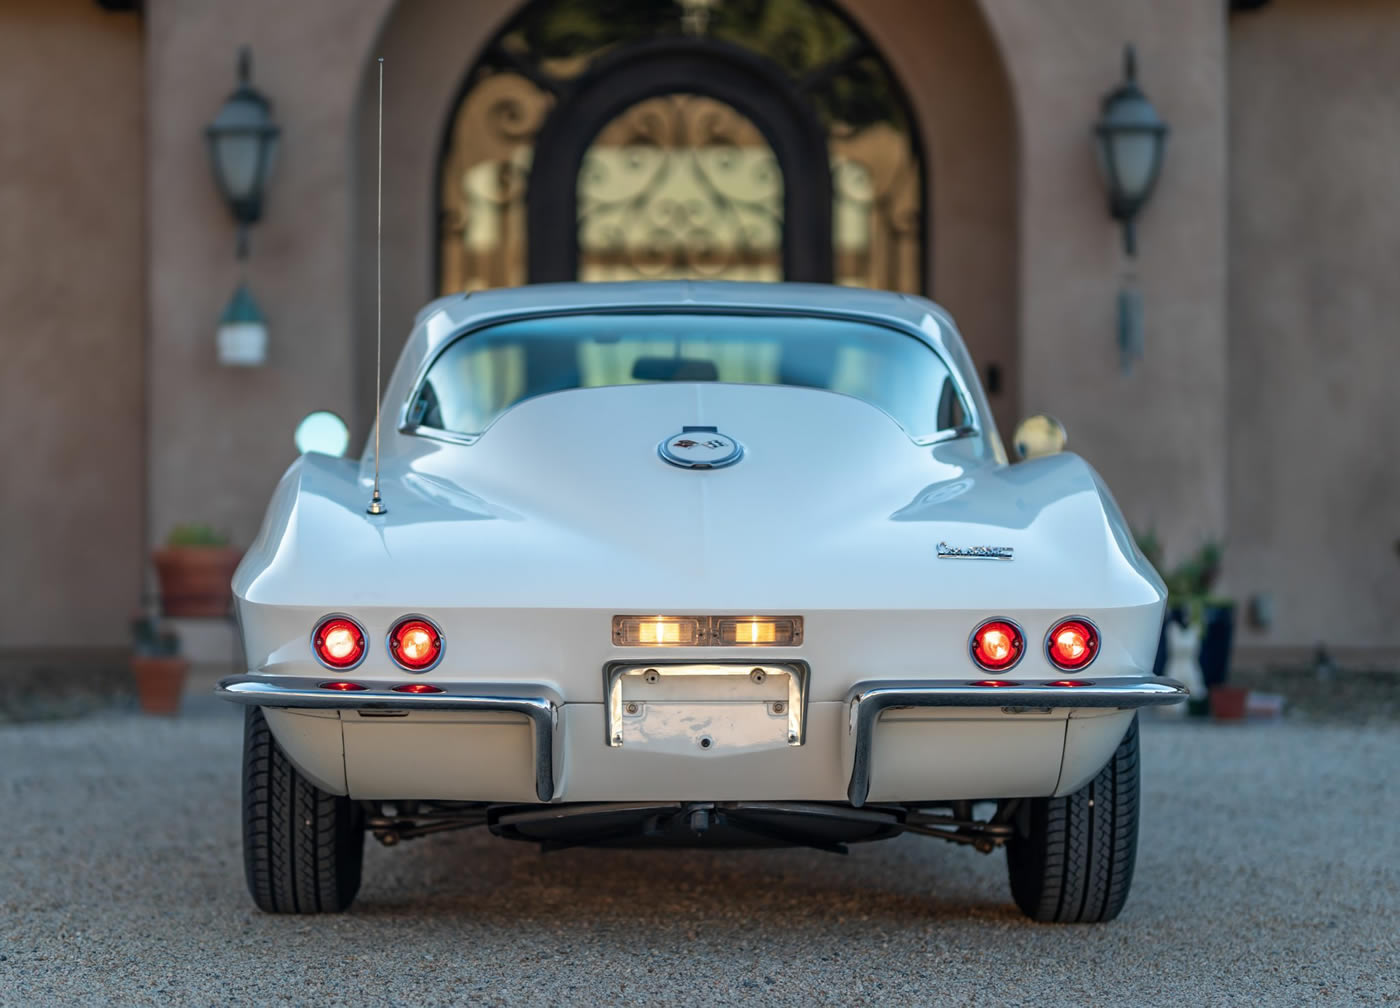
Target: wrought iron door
{"x":742,"y":139}
{"x":728,"y":168}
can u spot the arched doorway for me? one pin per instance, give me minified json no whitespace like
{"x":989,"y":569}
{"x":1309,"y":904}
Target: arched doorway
{"x":640,"y":140}
{"x":469,"y":88}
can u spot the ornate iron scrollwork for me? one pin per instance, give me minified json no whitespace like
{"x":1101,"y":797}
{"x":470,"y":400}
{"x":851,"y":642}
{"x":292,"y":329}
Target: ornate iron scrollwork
{"x":681,"y":184}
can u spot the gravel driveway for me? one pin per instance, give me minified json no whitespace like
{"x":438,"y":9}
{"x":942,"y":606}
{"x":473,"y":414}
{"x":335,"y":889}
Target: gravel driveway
{"x":1269,"y":872}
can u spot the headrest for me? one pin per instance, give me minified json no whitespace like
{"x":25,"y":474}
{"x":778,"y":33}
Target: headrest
{"x":677,"y":369}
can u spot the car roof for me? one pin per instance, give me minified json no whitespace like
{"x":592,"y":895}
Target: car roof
{"x":443,"y":320}
{"x":447,"y":316}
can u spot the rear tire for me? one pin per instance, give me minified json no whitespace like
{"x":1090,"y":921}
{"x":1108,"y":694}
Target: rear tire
{"x":302,"y":847}
{"x":1071,"y":860}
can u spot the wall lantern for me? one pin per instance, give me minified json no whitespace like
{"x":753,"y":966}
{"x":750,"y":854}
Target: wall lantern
{"x":1131,"y":141}
{"x":242,"y":141}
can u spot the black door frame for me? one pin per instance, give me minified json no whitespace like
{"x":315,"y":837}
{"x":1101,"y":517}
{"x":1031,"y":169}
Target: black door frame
{"x":727,"y":73}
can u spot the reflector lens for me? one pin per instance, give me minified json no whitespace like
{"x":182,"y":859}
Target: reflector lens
{"x":415,"y":643}
{"x":417,"y":687}
{"x":343,"y":687}
{"x":1071,"y":683}
{"x":1072,"y":644}
{"x":997,"y":645}
{"x":995,"y":683}
{"x":339,"y":642}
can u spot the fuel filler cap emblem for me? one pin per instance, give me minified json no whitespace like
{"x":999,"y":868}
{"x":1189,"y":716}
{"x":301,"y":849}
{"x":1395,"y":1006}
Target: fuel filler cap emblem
{"x":701,"y":448}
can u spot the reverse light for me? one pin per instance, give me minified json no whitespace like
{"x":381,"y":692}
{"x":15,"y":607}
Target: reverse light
{"x":338,"y":642}
{"x":657,"y":631}
{"x":341,"y":686}
{"x":707,"y":631}
{"x":997,"y":645}
{"x":417,"y":687}
{"x":775,"y":631}
{"x":415,"y":644}
{"x":1072,"y":644}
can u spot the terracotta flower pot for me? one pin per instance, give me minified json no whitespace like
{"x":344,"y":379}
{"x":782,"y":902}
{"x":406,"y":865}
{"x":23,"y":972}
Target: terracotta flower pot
{"x":194,"y":580}
{"x":1228,"y":703}
{"x":160,"y":682}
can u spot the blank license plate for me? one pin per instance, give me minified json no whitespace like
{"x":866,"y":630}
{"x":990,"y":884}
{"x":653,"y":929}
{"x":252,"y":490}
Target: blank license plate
{"x":697,"y":708}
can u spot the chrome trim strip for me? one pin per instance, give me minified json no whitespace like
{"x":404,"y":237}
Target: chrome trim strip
{"x":542,"y":710}
{"x":435,"y":434}
{"x":868,"y":700}
{"x":951,"y":434}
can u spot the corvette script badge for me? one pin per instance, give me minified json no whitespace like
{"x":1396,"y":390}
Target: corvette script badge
{"x":975,"y":552}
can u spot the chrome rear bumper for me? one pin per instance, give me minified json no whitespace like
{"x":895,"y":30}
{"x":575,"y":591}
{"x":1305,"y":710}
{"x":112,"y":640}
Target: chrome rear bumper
{"x":869,"y":700}
{"x":542,"y":706}
{"x":541,"y":709}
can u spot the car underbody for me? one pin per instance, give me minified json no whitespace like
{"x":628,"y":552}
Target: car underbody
{"x":827,"y":826}
{"x":1069,"y":858}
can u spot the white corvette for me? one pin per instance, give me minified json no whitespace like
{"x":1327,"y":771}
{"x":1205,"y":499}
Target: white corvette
{"x":709,"y":564}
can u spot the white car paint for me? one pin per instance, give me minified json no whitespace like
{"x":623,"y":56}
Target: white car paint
{"x":523,"y":545}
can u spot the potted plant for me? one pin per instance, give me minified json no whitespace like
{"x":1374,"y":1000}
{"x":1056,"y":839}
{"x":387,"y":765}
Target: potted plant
{"x":195,"y":570}
{"x":1191,"y":601}
{"x":157,"y":666}
{"x":1190,"y":591}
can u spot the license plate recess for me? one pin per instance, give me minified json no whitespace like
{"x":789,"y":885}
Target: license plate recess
{"x":706,"y":707}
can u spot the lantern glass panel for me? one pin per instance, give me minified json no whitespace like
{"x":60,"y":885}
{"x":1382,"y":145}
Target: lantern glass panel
{"x":237,"y":155}
{"x":1134,"y":154}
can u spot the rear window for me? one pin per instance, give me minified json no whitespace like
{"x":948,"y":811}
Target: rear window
{"x":484,"y":373}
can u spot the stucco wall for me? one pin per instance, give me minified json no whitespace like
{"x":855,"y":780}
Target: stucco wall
{"x":1211,"y":435}
{"x":1005,"y":108}
{"x":947,"y":60}
{"x":1167,"y":460}
{"x":1314,"y":304}
{"x":72,"y":300}
{"x":1158,"y":436}
{"x":221,"y":436}
{"x":428,"y":47}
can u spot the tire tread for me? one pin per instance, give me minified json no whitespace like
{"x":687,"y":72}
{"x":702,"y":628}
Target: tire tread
{"x":303,"y":849}
{"x":1074,"y":861}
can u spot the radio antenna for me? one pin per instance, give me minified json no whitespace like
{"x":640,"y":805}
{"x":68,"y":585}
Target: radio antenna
{"x":376,"y":505}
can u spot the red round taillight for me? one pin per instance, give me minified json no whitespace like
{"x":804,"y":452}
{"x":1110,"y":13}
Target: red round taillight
{"x":1072,"y":644}
{"x":997,"y":645}
{"x":415,"y":644}
{"x":339,"y":642}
